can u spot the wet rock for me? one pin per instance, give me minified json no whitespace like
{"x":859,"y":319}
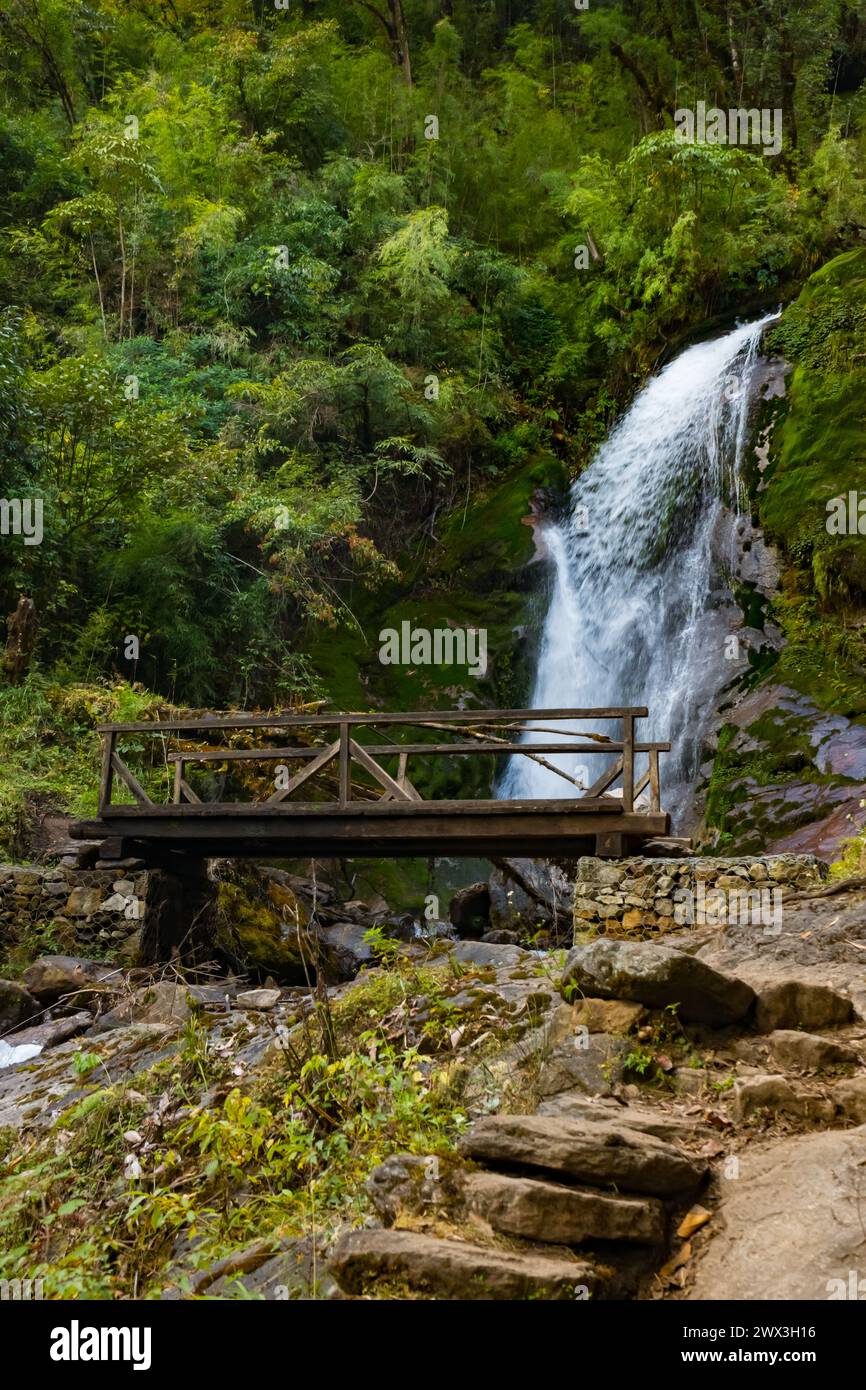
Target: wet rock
{"x":56,"y":1031}
{"x":469,"y":910}
{"x":791,"y":1227}
{"x":808,"y":1051}
{"x":164,"y":1002}
{"x":656,"y":976}
{"x":456,"y":1269}
{"x":557,"y":1215}
{"x":49,"y":977}
{"x":794,"y":1003}
{"x":605,"y":1153}
{"x":16,"y":1005}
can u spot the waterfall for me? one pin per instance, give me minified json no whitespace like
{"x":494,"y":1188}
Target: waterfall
{"x":639,"y":570}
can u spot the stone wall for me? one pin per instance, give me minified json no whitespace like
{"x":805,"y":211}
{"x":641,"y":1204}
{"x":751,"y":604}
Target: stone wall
{"x":88,"y":912}
{"x":657,"y":894}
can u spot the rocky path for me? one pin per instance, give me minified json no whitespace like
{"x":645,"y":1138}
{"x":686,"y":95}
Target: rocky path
{"x":732,"y":1167}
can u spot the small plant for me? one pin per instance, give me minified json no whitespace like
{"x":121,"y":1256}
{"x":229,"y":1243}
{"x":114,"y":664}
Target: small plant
{"x":384,"y":948}
{"x":83,"y":1063}
{"x":639,"y":1061}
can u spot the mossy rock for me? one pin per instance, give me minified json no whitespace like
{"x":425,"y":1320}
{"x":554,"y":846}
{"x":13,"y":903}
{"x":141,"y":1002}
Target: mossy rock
{"x":256,"y":934}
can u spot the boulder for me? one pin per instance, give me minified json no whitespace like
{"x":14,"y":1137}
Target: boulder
{"x":16,"y":1005}
{"x":486,"y":953}
{"x":791,"y":1226}
{"x":469,"y":910}
{"x":777,"y":1095}
{"x":600,"y":1154}
{"x":456,"y":1269}
{"x":51,"y":977}
{"x":793,"y":1003}
{"x":411,"y":1183}
{"x":657,"y":977}
{"x":850,"y":1098}
{"x":587,"y":1062}
{"x":163,"y":1002}
{"x":546,"y":1211}
{"x":808,"y":1051}
{"x":344,"y":951}
{"x":56,"y":1031}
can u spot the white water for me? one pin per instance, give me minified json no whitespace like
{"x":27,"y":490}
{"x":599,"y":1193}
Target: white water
{"x":639,"y":569}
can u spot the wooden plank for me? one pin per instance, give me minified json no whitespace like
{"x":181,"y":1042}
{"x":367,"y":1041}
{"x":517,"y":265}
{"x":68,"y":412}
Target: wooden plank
{"x":384,"y":750}
{"x":628,"y":763}
{"x":392,"y":787}
{"x":324,"y":757}
{"x":177,"y":789}
{"x":655,"y":792}
{"x":604,"y":780}
{"x":188,"y":792}
{"x":265,"y":721}
{"x":577,"y":808}
{"x":105,"y":778}
{"x":345,"y":765}
{"x":131,"y":781}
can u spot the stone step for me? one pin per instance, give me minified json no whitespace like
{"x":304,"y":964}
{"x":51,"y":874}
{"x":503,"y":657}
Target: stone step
{"x":599,"y":1155}
{"x":558,"y":1215}
{"x":569,"y":1105}
{"x":457,"y":1269}
{"x":657,"y":976}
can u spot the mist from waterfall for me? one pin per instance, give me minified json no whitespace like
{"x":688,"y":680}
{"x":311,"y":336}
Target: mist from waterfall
{"x":640,"y":568}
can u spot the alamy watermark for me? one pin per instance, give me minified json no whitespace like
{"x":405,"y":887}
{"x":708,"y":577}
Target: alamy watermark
{"x":22,"y":516}
{"x":737,"y":126}
{"x":440,"y":646}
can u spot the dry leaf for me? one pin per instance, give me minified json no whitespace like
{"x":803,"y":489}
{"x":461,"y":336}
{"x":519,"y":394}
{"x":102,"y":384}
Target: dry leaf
{"x":692,"y":1221}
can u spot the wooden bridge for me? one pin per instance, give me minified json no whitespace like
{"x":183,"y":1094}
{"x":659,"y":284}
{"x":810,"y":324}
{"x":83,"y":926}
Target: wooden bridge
{"x":357,"y":798}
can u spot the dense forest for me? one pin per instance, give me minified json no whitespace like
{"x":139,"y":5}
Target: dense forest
{"x":288,"y":288}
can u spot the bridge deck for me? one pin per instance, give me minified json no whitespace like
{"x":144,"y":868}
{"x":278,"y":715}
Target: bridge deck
{"x":377,"y":811}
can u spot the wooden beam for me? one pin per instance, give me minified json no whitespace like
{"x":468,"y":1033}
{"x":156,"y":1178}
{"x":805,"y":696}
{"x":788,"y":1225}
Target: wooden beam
{"x":284,"y":721}
{"x":304,"y":775}
{"x":130,"y":781}
{"x":105,"y":778}
{"x":392,"y":787}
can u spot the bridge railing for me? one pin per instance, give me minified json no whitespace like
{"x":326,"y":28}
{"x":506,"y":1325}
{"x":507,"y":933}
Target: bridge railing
{"x":339,"y":750}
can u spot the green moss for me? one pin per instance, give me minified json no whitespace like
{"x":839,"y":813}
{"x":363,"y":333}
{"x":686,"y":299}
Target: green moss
{"x":257,"y":935}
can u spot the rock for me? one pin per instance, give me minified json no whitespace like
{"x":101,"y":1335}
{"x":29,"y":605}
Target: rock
{"x":49,"y":977}
{"x":407,"y":1183}
{"x":50,"y":1034}
{"x":796,"y":1003}
{"x":557,"y":1215}
{"x":485,"y":953}
{"x":11,"y":1055}
{"x":608,"y":1015}
{"x":16,"y":1005}
{"x":587,"y":1062}
{"x":501,"y":937}
{"x":83,"y":902}
{"x":603,"y":1153}
{"x":455,"y":1269}
{"x":776,"y":1094}
{"x":163,"y":1002}
{"x":808,"y":1051}
{"x":603,"y":1110}
{"x":469,"y":910}
{"x":791,"y":1224}
{"x":345,"y":950}
{"x":258,"y":998}
{"x":657,"y":976}
{"x":850,"y":1098}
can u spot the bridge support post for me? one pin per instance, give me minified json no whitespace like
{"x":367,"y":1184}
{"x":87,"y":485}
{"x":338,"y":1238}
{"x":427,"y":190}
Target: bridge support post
{"x":610,"y":845}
